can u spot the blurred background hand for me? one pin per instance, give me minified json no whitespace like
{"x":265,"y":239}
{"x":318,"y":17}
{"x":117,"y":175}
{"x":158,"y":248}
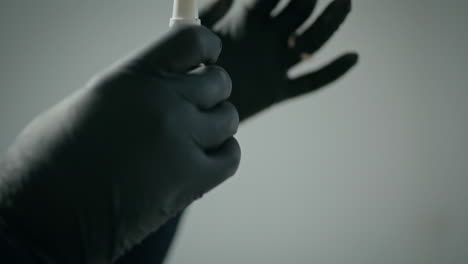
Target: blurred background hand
{"x":259,"y":57}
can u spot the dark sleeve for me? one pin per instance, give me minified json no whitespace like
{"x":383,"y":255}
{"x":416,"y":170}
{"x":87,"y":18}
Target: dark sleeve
{"x":154,"y":248}
{"x":12,"y":251}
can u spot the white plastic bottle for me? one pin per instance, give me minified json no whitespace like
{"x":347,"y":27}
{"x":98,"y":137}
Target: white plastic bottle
{"x":185,"y":12}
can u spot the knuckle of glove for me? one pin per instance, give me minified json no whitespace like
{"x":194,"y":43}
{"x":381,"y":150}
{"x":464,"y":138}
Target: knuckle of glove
{"x":235,"y":157}
{"x":225,"y":80}
{"x":231,"y":121}
{"x":217,"y":86}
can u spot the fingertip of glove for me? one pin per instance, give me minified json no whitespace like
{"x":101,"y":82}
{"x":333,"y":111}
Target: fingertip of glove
{"x":351,"y":58}
{"x":344,"y":4}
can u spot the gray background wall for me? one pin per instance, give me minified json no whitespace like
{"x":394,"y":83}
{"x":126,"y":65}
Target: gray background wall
{"x":371,"y":170}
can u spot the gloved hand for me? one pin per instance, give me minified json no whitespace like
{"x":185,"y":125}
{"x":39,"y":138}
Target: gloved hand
{"x":257,"y":60}
{"x":94,"y":175}
{"x":259,"y":57}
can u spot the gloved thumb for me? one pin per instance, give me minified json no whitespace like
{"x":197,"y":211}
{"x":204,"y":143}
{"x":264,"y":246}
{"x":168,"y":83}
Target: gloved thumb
{"x":181,"y":50}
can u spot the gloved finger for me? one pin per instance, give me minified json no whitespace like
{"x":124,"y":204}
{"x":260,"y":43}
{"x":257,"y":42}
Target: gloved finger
{"x":324,"y":27}
{"x":222,"y":163}
{"x":182,"y":49}
{"x":213,"y":13}
{"x":322,"y":77}
{"x":262,"y":9}
{"x":294,"y":15}
{"x":206,"y":86}
{"x":214,"y":127}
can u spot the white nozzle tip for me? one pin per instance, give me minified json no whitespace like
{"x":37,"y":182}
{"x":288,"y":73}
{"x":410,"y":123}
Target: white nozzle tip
{"x":185,"y":9}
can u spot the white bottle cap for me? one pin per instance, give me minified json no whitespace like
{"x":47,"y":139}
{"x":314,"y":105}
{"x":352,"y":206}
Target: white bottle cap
{"x":185,"y":12}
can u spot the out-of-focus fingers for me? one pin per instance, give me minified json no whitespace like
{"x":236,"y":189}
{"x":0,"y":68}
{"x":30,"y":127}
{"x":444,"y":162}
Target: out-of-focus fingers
{"x":214,"y":12}
{"x":294,"y":15}
{"x":262,"y":9}
{"x":324,"y":27}
{"x":322,"y":77}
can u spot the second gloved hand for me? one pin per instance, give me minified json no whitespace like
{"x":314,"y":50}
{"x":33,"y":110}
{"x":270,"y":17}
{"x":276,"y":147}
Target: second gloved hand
{"x":95,"y":174}
{"x":272,"y":46}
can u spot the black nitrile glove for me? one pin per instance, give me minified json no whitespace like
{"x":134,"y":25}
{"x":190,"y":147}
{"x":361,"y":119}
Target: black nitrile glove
{"x":257,"y":60}
{"x":97,"y":173}
{"x":266,"y":47}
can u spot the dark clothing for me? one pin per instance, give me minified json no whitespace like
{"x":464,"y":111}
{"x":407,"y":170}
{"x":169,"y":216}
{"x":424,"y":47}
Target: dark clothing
{"x":12,"y":250}
{"x":154,"y":249}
